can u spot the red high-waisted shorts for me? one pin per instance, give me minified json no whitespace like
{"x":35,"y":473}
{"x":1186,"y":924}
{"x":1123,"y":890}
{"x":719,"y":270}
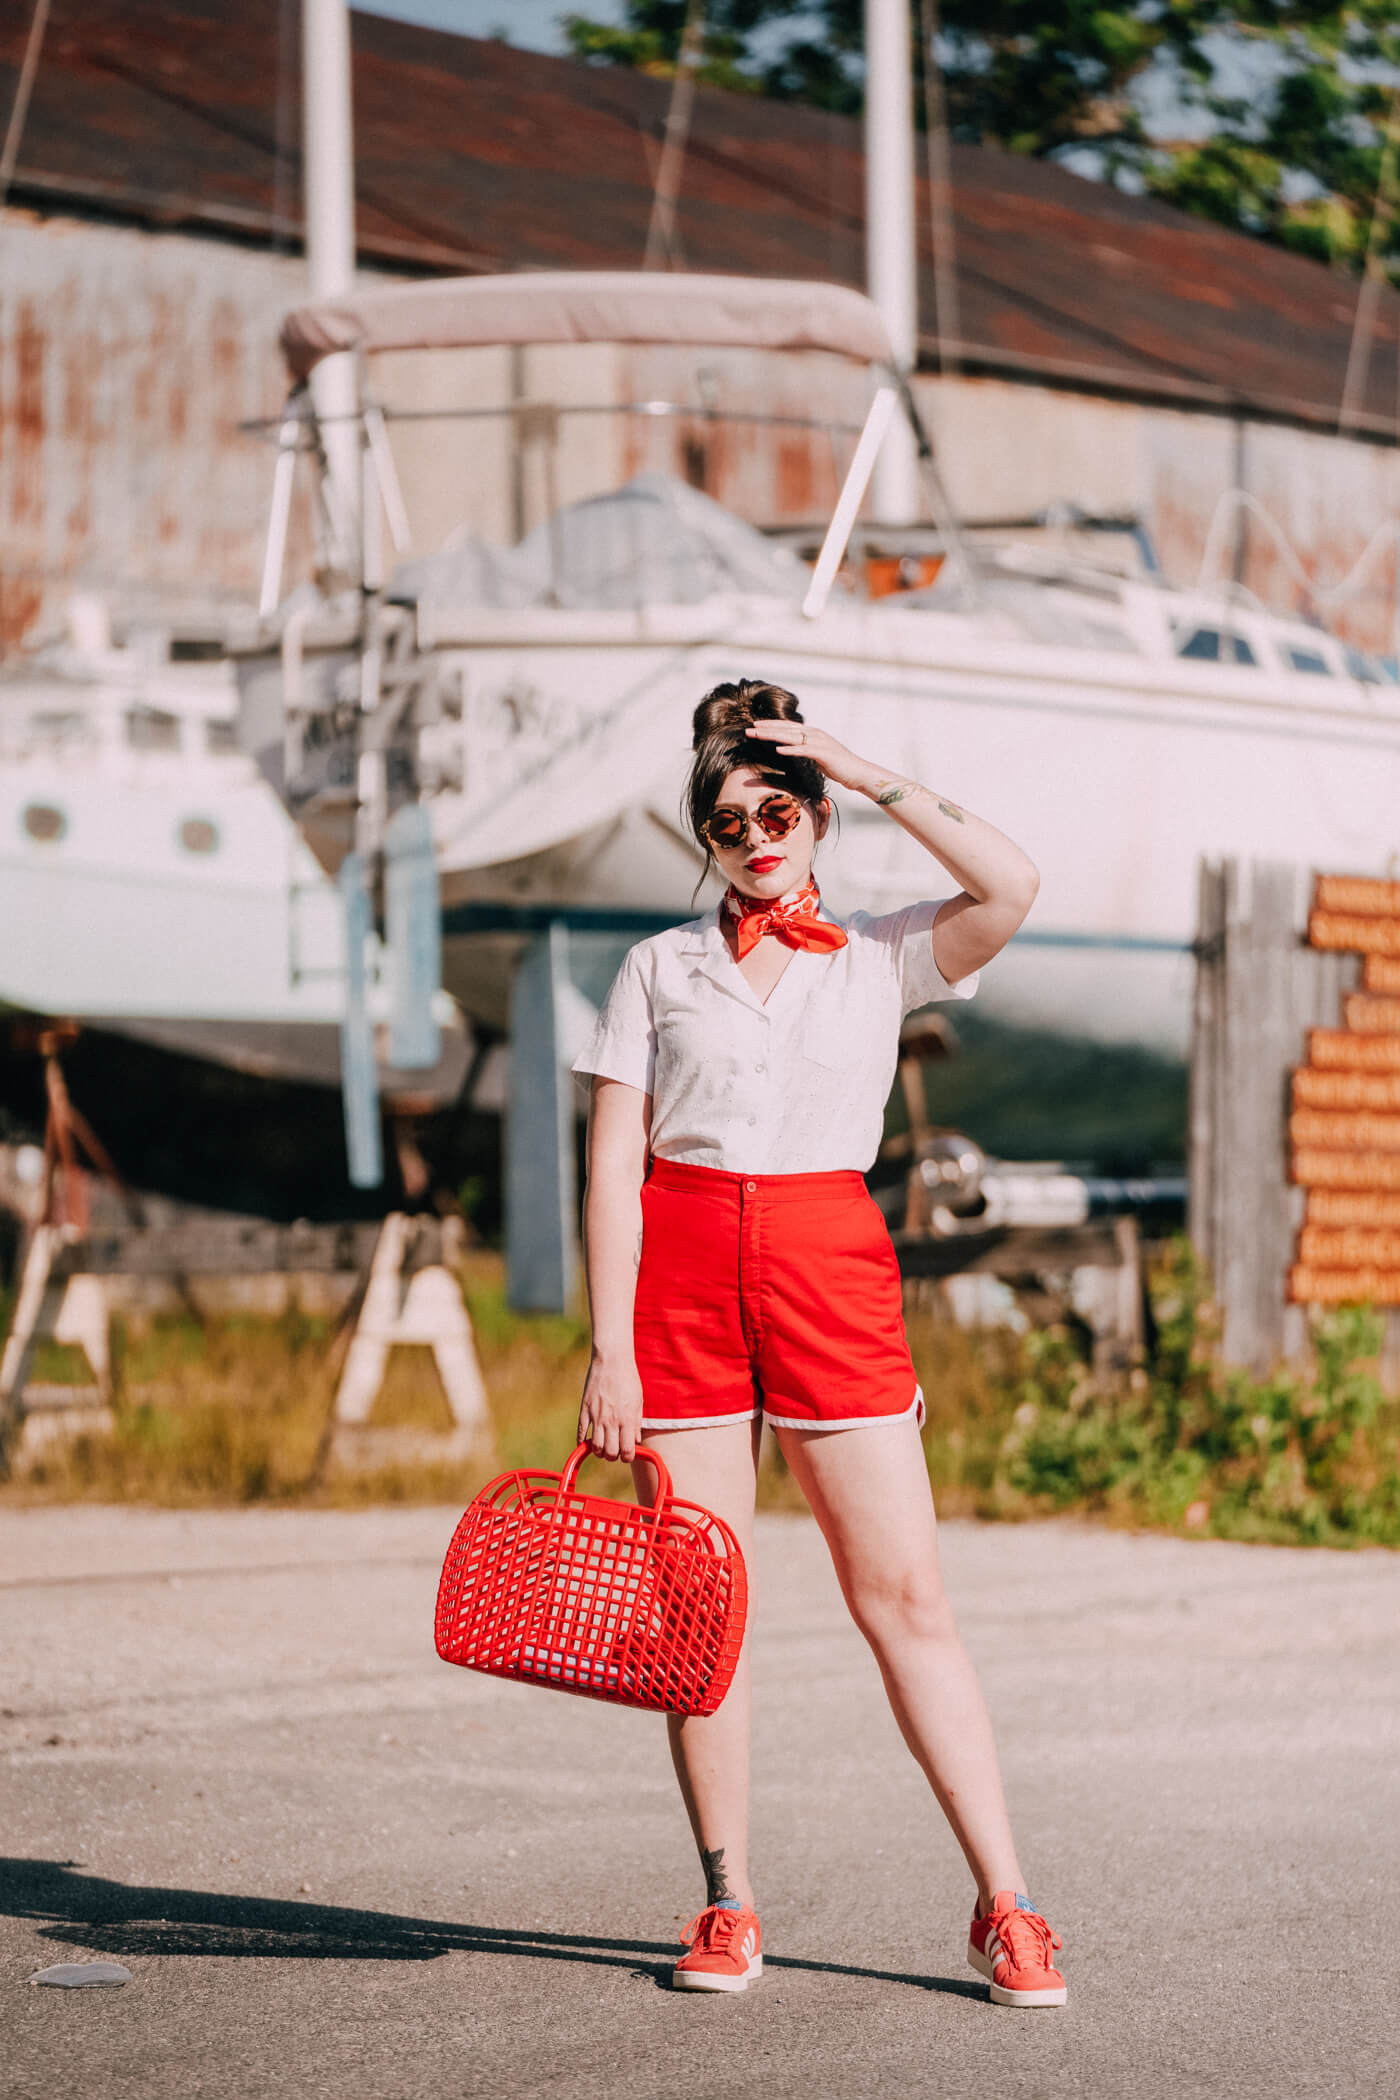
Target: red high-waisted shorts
{"x":771,"y":1292}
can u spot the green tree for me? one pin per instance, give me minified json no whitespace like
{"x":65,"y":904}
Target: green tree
{"x":1294,"y":96}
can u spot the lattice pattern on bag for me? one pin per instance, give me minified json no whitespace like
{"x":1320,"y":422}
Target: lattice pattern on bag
{"x":645,"y":1607}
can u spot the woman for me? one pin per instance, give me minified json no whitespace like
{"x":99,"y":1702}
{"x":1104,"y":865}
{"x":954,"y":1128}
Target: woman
{"x":738,"y":1268}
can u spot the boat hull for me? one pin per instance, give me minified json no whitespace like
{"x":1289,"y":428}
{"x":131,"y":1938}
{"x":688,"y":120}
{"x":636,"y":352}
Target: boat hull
{"x":1117,"y":774}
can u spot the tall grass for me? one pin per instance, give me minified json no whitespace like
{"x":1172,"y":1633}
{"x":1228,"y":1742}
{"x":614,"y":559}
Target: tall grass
{"x":237,"y":1410}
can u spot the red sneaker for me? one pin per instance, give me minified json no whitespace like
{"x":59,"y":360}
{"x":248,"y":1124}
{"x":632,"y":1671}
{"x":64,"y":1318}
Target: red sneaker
{"x":725,"y":1952}
{"x":1012,"y":1947}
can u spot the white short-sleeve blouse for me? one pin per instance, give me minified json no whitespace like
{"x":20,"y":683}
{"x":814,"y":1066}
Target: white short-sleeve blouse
{"x":796,"y":1086}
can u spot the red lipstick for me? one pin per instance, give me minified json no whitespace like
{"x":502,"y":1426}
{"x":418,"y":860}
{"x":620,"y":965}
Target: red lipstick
{"x":762,"y":863}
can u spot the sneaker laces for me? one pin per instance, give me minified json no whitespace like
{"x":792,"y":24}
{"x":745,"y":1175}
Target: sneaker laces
{"x":1027,"y":1938}
{"x":713,"y":1931}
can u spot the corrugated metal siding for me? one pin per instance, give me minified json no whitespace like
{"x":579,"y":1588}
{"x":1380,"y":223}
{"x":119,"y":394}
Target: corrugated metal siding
{"x":127,"y":362}
{"x":128,"y":357}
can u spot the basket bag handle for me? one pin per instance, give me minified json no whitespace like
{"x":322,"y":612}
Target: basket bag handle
{"x":570,"y":1472}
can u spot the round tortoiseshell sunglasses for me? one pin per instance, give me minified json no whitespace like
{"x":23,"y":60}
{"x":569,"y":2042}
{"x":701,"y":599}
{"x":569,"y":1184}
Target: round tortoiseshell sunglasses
{"x":776,"y":816}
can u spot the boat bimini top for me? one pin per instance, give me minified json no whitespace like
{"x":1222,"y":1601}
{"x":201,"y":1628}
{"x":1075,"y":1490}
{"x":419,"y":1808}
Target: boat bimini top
{"x":599,"y":306}
{"x":590,"y":306}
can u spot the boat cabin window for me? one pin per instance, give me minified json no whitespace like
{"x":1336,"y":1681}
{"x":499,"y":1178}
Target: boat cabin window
{"x":220,"y":736}
{"x":1309,"y":660}
{"x":66,"y":727}
{"x":1208,"y":645}
{"x":1370,"y":670}
{"x":151,"y":729}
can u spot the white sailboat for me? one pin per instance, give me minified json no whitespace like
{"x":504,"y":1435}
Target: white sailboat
{"x":155,"y":885}
{"x":539,"y":698}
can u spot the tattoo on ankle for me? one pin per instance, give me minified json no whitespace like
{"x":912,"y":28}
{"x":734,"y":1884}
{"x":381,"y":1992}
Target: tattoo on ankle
{"x":716,"y":1874}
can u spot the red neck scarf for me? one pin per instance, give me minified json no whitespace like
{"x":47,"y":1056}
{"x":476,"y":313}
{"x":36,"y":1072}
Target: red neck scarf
{"x":792,"y":918}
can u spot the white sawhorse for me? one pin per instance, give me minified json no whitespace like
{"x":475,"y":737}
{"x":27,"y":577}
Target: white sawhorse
{"x":54,"y":1304}
{"x":404,"y":1303}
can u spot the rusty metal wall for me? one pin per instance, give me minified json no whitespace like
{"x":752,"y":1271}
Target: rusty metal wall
{"x":1009,"y":449}
{"x":129,"y":358}
{"x":127,"y":361}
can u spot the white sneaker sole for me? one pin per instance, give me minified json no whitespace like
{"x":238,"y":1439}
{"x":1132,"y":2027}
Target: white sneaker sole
{"x":701,"y":1980}
{"x":1001,"y":1996}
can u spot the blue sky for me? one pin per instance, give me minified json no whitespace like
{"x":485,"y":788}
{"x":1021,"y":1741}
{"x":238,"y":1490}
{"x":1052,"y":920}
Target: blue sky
{"x":531,"y":23}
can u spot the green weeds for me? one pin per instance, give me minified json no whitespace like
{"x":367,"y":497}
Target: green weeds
{"x":236,"y":1410}
{"x":1179,"y":1442}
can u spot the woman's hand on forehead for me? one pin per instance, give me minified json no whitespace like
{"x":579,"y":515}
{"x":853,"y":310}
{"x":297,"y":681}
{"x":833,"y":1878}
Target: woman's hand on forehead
{"x":804,"y":740}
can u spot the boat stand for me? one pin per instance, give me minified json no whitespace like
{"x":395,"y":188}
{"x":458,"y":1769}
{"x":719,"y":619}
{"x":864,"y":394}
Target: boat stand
{"x":410,"y":1296}
{"x":57,"y":1302}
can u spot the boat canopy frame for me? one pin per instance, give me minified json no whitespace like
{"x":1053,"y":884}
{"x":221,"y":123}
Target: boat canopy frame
{"x":582,"y":306}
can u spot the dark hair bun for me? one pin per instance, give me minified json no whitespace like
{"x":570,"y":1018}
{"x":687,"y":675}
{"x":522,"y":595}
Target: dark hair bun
{"x":731,"y":710}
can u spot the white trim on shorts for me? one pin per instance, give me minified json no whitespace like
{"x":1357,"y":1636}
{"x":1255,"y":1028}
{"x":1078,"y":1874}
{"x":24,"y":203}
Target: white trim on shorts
{"x":915,"y":1408}
{"x":701,"y":1421}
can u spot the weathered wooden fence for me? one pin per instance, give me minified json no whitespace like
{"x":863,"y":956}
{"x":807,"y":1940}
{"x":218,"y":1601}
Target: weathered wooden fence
{"x":1259,"y":988}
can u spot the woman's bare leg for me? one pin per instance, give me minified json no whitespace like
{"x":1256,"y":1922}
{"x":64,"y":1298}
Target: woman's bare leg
{"x":869,"y":1491}
{"x":716,"y":1468}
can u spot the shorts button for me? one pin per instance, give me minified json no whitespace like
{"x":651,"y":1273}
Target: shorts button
{"x":751,"y":1186}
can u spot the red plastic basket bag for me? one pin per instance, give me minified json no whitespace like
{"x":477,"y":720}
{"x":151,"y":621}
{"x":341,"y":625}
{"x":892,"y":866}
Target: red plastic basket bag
{"x":644,"y":1607}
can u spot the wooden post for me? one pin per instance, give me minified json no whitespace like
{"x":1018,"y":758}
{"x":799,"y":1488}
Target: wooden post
{"x":1259,"y":988}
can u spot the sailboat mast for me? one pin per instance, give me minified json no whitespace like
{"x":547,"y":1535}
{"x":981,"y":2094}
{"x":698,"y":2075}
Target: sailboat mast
{"x":891,"y":261}
{"x":329,"y":161}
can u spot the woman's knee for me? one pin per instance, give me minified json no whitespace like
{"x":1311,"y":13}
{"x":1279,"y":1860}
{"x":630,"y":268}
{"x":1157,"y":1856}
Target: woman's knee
{"x":901,"y":1605}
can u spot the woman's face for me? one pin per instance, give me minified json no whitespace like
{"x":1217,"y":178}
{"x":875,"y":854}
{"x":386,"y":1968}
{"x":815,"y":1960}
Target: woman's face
{"x":759,"y":866}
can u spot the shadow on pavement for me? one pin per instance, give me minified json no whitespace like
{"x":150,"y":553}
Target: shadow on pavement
{"x":111,"y":1918}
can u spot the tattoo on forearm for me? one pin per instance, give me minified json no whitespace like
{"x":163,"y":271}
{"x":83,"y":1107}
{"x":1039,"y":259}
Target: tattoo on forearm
{"x":716,"y":1874}
{"x":900,"y":790}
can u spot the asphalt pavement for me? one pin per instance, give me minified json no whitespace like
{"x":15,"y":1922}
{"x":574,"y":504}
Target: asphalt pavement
{"x":336,"y":1867}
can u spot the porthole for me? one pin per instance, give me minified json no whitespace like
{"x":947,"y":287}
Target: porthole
{"x":198,"y":835}
{"x":45,"y":823}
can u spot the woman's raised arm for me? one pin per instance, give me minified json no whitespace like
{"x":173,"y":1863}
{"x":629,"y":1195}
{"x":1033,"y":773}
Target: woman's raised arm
{"x":998,"y":881}
{"x":619,"y":1133}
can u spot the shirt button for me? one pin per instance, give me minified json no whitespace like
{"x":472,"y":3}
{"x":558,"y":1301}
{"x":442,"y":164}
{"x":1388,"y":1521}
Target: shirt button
{"x":760,"y":1066}
{"x":751,"y":1120}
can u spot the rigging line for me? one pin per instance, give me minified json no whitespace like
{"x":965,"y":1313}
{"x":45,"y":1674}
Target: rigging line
{"x":1233,"y":501}
{"x":663,"y":247}
{"x":947,"y":322}
{"x":24,"y":87}
{"x":1373,"y":273}
{"x":223,"y":122}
